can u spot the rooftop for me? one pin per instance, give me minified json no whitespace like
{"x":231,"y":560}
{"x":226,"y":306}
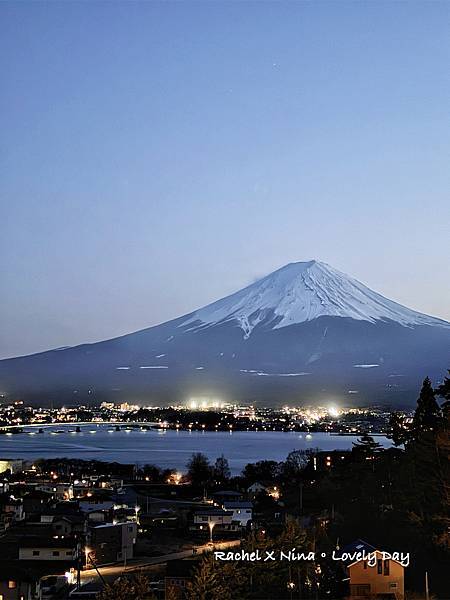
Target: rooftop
{"x":34,"y":541}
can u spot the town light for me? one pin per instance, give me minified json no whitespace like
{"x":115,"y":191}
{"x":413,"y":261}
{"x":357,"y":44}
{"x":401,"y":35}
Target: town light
{"x":211,"y":526}
{"x":333,"y":411}
{"x":87,"y":551}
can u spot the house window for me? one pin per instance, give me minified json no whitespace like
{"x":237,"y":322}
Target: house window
{"x":365,"y":564}
{"x":12,"y":585}
{"x":379,"y":566}
{"x":68,"y":553}
{"x":386,"y":567}
{"x":55,"y":552}
{"x":35,"y":553}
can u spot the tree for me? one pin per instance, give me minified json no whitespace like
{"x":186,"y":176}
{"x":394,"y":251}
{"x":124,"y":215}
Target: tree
{"x":399,"y":433}
{"x":131,"y":588}
{"x":199,"y":469}
{"x":424,"y":451}
{"x":205,"y":583}
{"x":444,"y":392}
{"x":428,"y":412}
{"x":216,"y":580}
{"x":295,"y":462}
{"x":366,"y":445}
{"x":221,"y":469}
{"x":263,"y":470}
{"x":152,"y":472}
{"x":443,"y":450}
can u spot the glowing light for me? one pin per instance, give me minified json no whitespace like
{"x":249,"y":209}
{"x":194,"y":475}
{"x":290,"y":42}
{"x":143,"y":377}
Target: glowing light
{"x":333,"y":411}
{"x":87,"y":551}
{"x":211,"y":525}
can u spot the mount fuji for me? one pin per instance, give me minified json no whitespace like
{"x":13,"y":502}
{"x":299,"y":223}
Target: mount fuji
{"x":305,"y":333}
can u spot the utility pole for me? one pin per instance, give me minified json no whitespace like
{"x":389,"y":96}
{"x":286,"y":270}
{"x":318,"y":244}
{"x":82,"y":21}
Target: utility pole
{"x":78,"y":567}
{"x":92,"y":561}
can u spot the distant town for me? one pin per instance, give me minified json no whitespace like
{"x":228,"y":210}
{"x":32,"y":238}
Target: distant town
{"x":205,"y":415}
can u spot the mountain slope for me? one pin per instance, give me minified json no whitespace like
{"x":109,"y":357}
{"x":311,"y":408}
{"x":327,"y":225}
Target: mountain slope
{"x":304,"y":333}
{"x":302,"y":292}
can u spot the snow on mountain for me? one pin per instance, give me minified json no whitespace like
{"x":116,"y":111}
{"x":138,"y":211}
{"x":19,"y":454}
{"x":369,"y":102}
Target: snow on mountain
{"x":319,"y":334}
{"x":303,"y":291}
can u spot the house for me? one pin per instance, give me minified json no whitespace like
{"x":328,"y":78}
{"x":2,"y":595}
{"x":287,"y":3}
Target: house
{"x":12,"y":506}
{"x":242,"y":511}
{"x":59,"y":491}
{"x":258,"y":487}
{"x":96,"y":502}
{"x":217,"y":520}
{"x":112,"y":542}
{"x":227,"y":496}
{"x":255,"y":488}
{"x":62,"y":509}
{"x":69,"y":525}
{"x":5,"y":521}
{"x":15,"y":465}
{"x":16,"y":582}
{"x":39,"y":548}
{"x":35,"y":501}
{"x":376,"y":576}
{"x":98,"y":516}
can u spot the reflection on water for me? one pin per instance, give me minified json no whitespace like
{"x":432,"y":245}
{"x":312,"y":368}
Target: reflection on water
{"x":167,"y":448}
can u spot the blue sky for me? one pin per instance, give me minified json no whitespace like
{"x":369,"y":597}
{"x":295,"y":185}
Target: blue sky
{"x":157,"y":156}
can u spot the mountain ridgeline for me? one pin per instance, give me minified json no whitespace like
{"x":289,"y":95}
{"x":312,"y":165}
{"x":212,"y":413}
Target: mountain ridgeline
{"x":305,"y":333}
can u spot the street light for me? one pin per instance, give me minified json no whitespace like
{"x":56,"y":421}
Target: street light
{"x":87,"y":551}
{"x":211,"y":526}
{"x":291,"y":587}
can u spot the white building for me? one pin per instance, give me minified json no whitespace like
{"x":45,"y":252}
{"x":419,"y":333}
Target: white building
{"x":242,"y":511}
{"x":54,"y":549}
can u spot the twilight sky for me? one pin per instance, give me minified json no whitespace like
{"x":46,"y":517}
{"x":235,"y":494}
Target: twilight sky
{"x":157,"y":156}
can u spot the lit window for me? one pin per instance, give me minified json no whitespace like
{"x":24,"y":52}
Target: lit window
{"x":12,"y":585}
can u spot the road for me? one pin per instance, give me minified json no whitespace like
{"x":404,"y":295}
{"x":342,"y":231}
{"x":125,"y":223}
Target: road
{"x":110,"y":573}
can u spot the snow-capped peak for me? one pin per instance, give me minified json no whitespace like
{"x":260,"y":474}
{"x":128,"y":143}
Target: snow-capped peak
{"x":303,"y":291}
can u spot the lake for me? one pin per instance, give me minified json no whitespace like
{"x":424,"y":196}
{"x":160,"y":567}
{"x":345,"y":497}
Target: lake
{"x":166,"y":448}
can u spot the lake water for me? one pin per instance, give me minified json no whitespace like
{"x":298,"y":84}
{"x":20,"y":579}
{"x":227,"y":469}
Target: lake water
{"x":166,"y":448}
